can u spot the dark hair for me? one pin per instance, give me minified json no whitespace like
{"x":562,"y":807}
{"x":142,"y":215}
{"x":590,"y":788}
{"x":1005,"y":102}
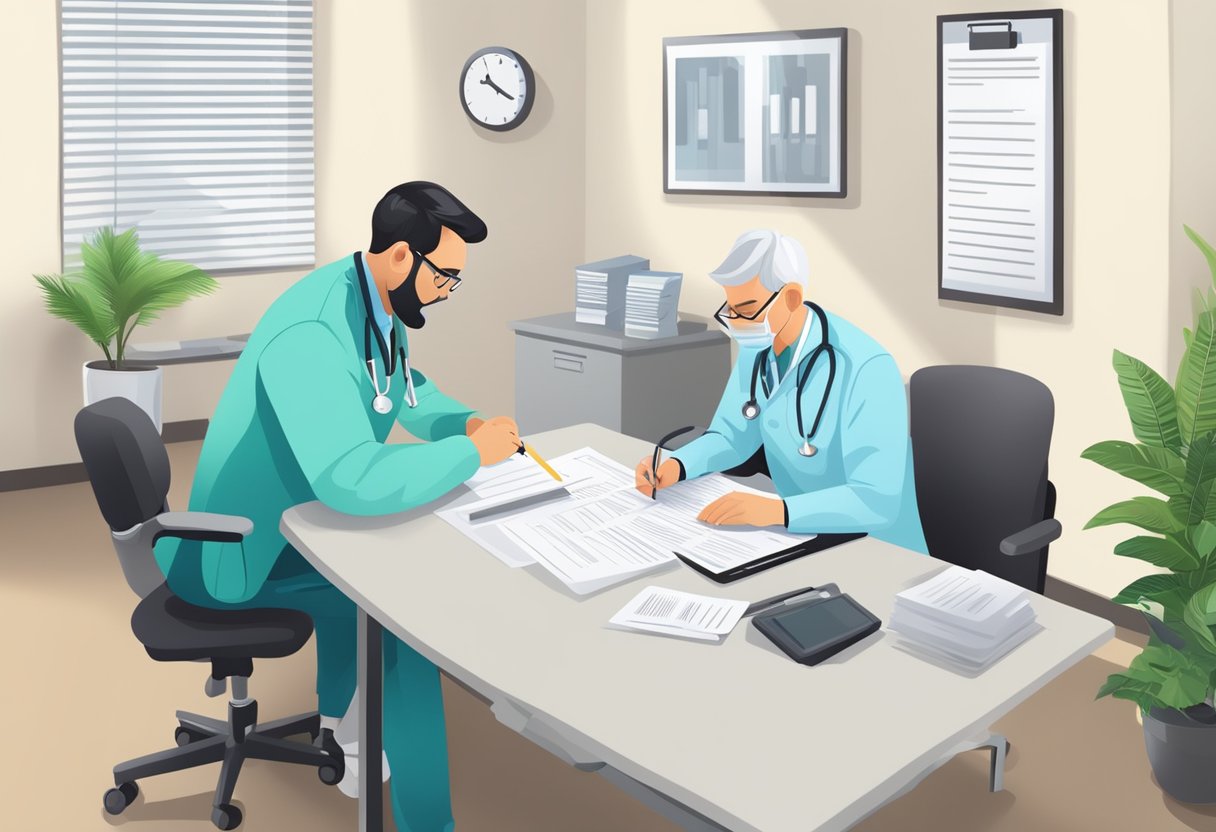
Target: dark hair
{"x":416,"y":213}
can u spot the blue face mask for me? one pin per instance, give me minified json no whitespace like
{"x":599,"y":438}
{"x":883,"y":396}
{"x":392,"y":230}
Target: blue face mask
{"x":752,"y":334}
{"x":749,"y":333}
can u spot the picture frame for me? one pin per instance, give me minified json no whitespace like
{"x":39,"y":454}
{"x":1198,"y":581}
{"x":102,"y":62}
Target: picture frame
{"x":760,"y":113}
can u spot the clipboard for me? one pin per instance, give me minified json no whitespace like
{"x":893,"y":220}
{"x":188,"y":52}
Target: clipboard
{"x":817,"y":544}
{"x":1000,"y":157}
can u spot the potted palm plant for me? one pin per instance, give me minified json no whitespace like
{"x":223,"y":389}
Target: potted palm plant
{"x":118,"y":287}
{"x":1173,"y":678}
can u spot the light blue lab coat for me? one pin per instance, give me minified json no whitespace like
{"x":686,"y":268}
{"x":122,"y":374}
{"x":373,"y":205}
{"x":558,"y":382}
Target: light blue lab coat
{"x":861,"y":478}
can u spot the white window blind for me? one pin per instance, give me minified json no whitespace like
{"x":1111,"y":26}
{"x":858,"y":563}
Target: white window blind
{"x":193,"y":123}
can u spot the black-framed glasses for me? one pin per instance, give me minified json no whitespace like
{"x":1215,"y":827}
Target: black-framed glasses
{"x":442,"y":277}
{"x":726,"y":313}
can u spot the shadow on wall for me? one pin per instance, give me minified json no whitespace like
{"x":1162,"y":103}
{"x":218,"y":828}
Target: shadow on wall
{"x":886,"y":229}
{"x":527,"y":184}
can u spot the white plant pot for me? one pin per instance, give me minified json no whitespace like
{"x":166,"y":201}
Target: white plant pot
{"x":141,"y":385}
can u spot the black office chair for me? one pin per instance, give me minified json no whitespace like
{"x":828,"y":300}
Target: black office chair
{"x":980,"y":437}
{"x":129,"y":471}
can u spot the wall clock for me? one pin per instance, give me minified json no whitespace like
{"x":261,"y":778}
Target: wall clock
{"x":497,"y":88}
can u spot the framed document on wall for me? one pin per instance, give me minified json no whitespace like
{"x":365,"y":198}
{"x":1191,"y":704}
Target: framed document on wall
{"x":758,"y":113}
{"x":1000,"y":157}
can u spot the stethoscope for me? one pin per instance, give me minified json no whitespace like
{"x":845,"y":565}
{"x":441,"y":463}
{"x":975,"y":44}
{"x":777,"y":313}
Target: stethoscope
{"x":381,"y":402}
{"x":751,"y":408}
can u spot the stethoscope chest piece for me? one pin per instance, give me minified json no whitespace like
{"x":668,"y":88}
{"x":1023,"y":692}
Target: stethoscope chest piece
{"x":751,"y":408}
{"x":381,"y":404}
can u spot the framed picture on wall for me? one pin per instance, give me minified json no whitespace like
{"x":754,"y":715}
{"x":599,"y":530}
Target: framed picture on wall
{"x":758,"y":113}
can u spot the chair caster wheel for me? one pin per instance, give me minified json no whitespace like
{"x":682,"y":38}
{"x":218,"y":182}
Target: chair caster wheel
{"x":226,"y":816}
{"x":184,"y":736}
{"x":116,"y":800}
{"x":329,"y":775}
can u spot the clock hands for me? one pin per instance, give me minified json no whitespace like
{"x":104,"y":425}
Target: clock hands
{"x":488,"y":82}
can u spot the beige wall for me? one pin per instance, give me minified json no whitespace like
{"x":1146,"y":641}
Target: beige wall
{"x":1192,"y":161}
{"x":386,"y":112}
{"x":874,"y":254}
{"x":582,"y":179}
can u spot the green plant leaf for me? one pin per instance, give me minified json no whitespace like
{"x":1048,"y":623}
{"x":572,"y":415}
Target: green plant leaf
{"x":76,"y":302}
{"x":1181,"y":680}
{"x":1159,"y":551}
{"x":1158,"y":468}
{"x":1199,"y":613}
{"x":1203,"y":537}
{"x":1121,"y":686}
{"x":1199,"y":303}
{"x":1199,"y":483}
{"x":1209,"y":252}
{"x":1149,"y":513}
{"x":1195,"y":386}
{"x":1170,"y":591}
{"x":1150,"y":403}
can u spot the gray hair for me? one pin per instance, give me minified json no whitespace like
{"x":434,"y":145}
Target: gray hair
{"x":776,"y":258}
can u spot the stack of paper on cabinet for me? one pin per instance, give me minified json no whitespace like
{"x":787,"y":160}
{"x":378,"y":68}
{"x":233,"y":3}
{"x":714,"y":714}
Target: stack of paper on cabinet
{"x":651,"y":304}
{"x":599,"y":290}
{"x":966,"y":619}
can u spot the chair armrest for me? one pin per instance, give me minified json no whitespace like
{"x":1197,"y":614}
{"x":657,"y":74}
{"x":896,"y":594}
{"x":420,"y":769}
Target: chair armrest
{"x":200,"y":525}
{"x":1032,"y":539}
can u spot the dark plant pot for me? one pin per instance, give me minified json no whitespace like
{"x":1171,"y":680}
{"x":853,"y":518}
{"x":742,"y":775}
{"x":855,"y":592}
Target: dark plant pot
{"x":1182,"y":754}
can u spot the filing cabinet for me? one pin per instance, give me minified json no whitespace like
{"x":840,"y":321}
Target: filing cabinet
{"x":567,"y":373}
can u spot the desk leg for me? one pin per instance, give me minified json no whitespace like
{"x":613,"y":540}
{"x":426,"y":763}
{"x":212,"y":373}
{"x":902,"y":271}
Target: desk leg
{"x":371,"y":724}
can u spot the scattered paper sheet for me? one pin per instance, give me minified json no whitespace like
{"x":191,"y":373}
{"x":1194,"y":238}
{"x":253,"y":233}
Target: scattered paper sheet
{"x":604,"y":531}
{"x":682,"y":614}
{"x":515,"y":476}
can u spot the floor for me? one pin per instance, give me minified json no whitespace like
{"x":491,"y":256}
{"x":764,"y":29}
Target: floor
{"x":80,"y":694}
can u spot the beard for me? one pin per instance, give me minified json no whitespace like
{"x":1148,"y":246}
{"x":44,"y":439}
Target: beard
{"x":405,"y":302}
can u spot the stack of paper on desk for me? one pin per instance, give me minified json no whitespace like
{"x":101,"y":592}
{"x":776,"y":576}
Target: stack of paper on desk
{"x":965,"y":618}
{"x":675,"y":613}
{"x":601,"y":531}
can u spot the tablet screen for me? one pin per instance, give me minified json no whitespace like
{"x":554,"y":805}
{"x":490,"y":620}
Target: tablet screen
{"x":826,"y":621}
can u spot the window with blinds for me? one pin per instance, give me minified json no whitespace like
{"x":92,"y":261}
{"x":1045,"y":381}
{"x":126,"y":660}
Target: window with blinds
{"x":193,"y":123}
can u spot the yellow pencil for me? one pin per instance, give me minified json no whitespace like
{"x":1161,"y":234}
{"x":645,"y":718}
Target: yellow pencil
{"x":541,"y":462}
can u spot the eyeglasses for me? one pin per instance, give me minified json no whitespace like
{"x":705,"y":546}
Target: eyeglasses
{"x":442,"y":277}
{"x":726,"y":313}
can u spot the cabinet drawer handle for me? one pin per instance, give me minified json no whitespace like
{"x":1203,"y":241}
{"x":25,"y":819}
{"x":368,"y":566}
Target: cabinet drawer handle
{"x":568,"y":361}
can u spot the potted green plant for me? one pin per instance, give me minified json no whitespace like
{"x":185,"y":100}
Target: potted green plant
{"x":1172,"y":679}
{"x":118,"y":287}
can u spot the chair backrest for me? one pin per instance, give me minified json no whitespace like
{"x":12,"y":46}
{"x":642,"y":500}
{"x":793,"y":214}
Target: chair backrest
{"x":129,"y":471}
{"x":980,"y":438}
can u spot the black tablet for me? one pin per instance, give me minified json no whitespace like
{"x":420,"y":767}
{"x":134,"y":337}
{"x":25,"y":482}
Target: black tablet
{"x":818,"y":629}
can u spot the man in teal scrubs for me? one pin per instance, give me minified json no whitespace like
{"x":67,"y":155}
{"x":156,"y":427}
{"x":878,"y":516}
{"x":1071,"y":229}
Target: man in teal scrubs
{"x":305,"y":416}
{"x":820,"y":399}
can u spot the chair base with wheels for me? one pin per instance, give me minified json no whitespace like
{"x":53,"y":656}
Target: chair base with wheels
{"x":129,"y":471}
{"x":159,"y":622}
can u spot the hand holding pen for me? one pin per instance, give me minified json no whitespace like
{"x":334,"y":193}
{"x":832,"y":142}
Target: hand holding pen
{"x":650,"y":475}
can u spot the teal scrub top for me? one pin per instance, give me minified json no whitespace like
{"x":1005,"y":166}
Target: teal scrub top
{"x":295,"y":424}
{"x":861,"y":479}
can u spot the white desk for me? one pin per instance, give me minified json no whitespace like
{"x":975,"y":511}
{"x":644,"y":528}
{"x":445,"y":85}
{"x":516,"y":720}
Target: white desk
{"x":731,"y":736}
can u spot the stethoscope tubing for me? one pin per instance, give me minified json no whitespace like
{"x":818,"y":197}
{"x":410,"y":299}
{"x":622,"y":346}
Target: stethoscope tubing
{"x":751,"y":408}
{"x":388,"y":352}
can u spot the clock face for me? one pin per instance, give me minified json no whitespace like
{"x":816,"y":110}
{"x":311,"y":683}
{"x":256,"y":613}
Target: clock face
{"x":497,"y":88}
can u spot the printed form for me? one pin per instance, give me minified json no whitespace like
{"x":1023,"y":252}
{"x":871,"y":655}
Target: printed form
{"x":997,"y":221}
{"x":595,"y":543}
